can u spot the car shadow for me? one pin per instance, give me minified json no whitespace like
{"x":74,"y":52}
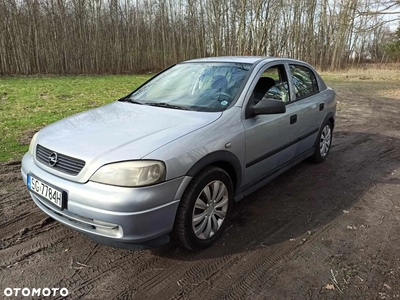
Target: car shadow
{"x":305,"y":198}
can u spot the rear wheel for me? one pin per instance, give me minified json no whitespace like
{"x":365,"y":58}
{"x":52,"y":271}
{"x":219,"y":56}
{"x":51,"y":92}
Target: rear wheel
{"x":204,"y":209}
{"x":323,"y":144}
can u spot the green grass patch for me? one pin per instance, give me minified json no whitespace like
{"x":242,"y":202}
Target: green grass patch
{"x":27,"y":104}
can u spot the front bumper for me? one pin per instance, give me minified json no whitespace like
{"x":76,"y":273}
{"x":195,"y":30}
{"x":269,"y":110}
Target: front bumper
{"x":112,"y":215}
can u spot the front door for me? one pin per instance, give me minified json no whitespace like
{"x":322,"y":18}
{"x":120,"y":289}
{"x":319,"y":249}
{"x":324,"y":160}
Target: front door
{"x":270,"y":139}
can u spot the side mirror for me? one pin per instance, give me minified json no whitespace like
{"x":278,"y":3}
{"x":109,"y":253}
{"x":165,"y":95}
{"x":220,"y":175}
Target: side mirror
{"x":269,"y":106}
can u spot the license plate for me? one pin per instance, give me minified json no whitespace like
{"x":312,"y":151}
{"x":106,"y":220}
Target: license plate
{"x":45,"y":190}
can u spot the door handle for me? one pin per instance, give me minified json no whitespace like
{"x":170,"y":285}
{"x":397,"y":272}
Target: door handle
{"x":321,"y":106}
{"x":293,"y":119}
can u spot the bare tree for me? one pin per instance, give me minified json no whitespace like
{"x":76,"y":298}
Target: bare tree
{"x":127,"y":36}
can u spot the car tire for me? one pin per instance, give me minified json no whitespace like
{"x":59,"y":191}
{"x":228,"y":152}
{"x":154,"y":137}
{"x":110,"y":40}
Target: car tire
{"x":323,"y":143}
{"x":204,"y":209}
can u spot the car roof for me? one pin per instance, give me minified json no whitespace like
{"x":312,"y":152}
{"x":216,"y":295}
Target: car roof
{"x":241,"y":59}
{"x":234,"y":59}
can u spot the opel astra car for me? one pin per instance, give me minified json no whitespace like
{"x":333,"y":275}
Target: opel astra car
{"x":172,"y":157}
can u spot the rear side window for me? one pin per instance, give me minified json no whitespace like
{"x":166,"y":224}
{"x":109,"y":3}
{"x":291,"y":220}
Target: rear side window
{"x":305,"y":83}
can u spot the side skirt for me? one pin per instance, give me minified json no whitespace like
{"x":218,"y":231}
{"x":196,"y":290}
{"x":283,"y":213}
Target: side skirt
{"x":259,"y":183}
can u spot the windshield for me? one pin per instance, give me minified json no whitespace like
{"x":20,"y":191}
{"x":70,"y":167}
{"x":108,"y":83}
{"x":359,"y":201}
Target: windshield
{"x":193,"y":86}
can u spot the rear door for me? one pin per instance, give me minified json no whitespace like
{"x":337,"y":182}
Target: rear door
{"x":310,"y":106}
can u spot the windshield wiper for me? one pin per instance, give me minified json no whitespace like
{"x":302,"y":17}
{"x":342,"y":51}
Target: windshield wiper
{"x":130,"y":100}
{"x":166,"y":105}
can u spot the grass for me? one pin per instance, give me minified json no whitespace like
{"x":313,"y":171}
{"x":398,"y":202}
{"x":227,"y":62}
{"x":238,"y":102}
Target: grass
{"x":30,"y":103}
{"x":369,"y":81}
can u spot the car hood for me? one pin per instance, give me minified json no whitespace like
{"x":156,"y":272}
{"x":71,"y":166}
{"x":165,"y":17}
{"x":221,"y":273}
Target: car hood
{"x":119,"y":131}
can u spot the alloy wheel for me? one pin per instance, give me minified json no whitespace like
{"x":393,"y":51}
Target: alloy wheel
{"x":325,"y":141}
{"x":210,"y":209}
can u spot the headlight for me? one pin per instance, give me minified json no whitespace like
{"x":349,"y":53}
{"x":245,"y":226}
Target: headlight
{"x":32,"y":144}
{"x":131,"y":173}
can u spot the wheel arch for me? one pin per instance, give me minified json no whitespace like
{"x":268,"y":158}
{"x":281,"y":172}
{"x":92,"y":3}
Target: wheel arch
{"x":329,"y":117}
{"x":224,"y":160}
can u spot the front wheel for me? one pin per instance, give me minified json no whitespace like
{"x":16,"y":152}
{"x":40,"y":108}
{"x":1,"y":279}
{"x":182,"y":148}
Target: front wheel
{"x":323,"y":144}
{"x":204,"y":209}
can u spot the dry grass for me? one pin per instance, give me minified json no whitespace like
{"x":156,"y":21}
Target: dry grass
{"x":370,"y":73}
{"x":369,"y":81}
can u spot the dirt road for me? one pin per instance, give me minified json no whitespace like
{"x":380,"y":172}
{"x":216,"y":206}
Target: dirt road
{"x":323,"y":231}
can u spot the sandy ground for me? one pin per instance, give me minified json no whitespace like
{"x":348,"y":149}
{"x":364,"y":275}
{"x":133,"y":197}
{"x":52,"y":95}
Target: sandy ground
{"x":325,"y":231}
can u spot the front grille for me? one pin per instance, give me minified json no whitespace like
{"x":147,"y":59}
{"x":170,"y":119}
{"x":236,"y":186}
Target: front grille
{"x":65,"y":164}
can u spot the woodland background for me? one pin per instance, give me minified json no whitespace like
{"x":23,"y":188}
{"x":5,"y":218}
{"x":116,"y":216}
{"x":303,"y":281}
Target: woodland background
{"x":133,"y":36}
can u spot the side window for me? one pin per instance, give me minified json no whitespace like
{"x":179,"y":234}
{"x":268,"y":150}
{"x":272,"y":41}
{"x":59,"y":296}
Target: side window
{"x":305,"y":83}
{"x":273,"y":84}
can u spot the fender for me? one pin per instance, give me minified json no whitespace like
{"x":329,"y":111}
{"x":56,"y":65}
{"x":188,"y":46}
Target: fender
{"x":219,"y":156}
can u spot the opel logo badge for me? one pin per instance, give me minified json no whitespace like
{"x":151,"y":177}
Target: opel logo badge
{"x":53,"y":159}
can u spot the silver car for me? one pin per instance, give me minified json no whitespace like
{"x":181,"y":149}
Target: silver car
{"x":171,"y":158}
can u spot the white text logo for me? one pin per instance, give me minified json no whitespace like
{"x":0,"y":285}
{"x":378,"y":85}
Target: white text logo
{"x":27,"y":292}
